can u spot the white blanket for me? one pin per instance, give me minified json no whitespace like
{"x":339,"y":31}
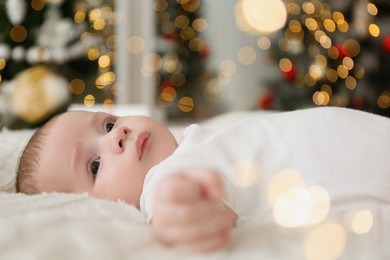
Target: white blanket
{"x":68,"y":226}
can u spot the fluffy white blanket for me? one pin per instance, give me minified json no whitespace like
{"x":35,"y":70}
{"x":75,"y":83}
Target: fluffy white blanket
{"x":68,"y":226}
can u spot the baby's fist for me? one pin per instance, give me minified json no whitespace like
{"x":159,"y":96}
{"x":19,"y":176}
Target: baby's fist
{"x":189,"y":213}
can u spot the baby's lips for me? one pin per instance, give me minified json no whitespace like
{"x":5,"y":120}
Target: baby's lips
{"x":141,"y":142}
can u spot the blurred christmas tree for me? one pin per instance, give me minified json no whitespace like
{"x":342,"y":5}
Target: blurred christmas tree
{"x":334,"y":53}
{"x":52,"y":53}
{"x":182,"y":79}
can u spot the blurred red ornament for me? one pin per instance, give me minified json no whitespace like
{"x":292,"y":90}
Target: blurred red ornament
{"x":165,"y":84}
{"x":291,"y":74}
{"x":386,"y":43}
{"x":341,"y":50}
{"x":204,"y":51}
{"x":358,"y":102}
{"x":265,"y":101}
{"x":170,"y":36}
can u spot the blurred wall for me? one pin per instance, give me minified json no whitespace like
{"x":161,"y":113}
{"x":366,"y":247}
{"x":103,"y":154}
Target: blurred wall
{"x":242,"y":91}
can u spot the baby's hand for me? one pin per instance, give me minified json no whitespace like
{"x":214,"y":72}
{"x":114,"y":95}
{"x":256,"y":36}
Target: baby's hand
{"x":189,"y":213}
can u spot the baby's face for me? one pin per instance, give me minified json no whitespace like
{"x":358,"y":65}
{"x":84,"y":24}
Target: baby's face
{"x":106,"y":156}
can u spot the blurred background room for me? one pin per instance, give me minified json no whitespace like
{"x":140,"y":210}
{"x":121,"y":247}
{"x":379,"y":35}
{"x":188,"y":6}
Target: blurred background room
{"x":188,"y":60}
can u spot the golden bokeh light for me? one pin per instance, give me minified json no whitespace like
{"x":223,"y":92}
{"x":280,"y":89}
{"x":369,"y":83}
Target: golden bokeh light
{"x":326,"y":88}
{"x":293,"y":8}
{"x":104,"y":61}
{"x":342,"y":71}
{"x":326,"y":241}
{"x":332,"y":75}
{"x":348,"y":63}
{"x":308,"y":7}
{"x":350,"y":82}
{"x":321,"y":61}
{"x":333,"y":52}
{"x":79,"y":15}
{"x":93,"y":54}
{"x":109,"y":104}
{"x":190,"y":5}
{"x":329,"y":25}
{"x":246,"y":173}
{"x":311,"y":24}
{"x":293,"y":37}
{"x":264,"y":16}
{"x":89,"y":100}
{"x":168,"y":94}
{"x":37,"y":5}
{"x":316,"y":72}
{"x":338,"y":17}
{"x":186,"y":104}
{"x":326,"y":42}
{"x":374,"y":30}
{"x":3,"y":63}
{"x":18,"y":33}
{"x":372,"y":9}
{"x":76,"y":86}
{"x":321,"y":98}
{"x":95,"y":14}
{"x":196,"y":44}
{"x":343,"y":26}
{"x":187,"y":33}
{"x":383,"y":100}
{"x":182,"y":21}
{"x":160,"y":5}
{"x":295,"y":26}
{"x":200,"y":25}
{"x":285,"y":65}
{"x":246,"y":55}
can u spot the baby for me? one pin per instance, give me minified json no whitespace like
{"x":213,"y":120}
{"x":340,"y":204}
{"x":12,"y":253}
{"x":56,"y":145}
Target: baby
{"x":194,"y":193}
{"x":109,"y":157}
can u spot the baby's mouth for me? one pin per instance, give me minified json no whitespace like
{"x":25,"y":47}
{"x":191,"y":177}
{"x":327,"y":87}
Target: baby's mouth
{"x":141,"y":143}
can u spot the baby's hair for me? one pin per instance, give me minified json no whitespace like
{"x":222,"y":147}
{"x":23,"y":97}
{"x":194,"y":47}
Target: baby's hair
{"x":28,"y":167}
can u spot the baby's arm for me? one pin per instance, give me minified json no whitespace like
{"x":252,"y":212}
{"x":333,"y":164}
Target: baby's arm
{"x":189,"y":212}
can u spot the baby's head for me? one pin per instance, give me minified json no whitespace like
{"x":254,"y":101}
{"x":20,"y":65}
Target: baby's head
{"x":98,"y":153}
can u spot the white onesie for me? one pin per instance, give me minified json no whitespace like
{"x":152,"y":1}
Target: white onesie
{"x":347,"y":152}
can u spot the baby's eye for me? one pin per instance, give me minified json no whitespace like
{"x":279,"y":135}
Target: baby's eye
{"x":109,"y":126}
{"x":95,"y":167}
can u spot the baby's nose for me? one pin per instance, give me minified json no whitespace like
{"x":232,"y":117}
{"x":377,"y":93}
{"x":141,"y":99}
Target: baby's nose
{"x":119,"y":136}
